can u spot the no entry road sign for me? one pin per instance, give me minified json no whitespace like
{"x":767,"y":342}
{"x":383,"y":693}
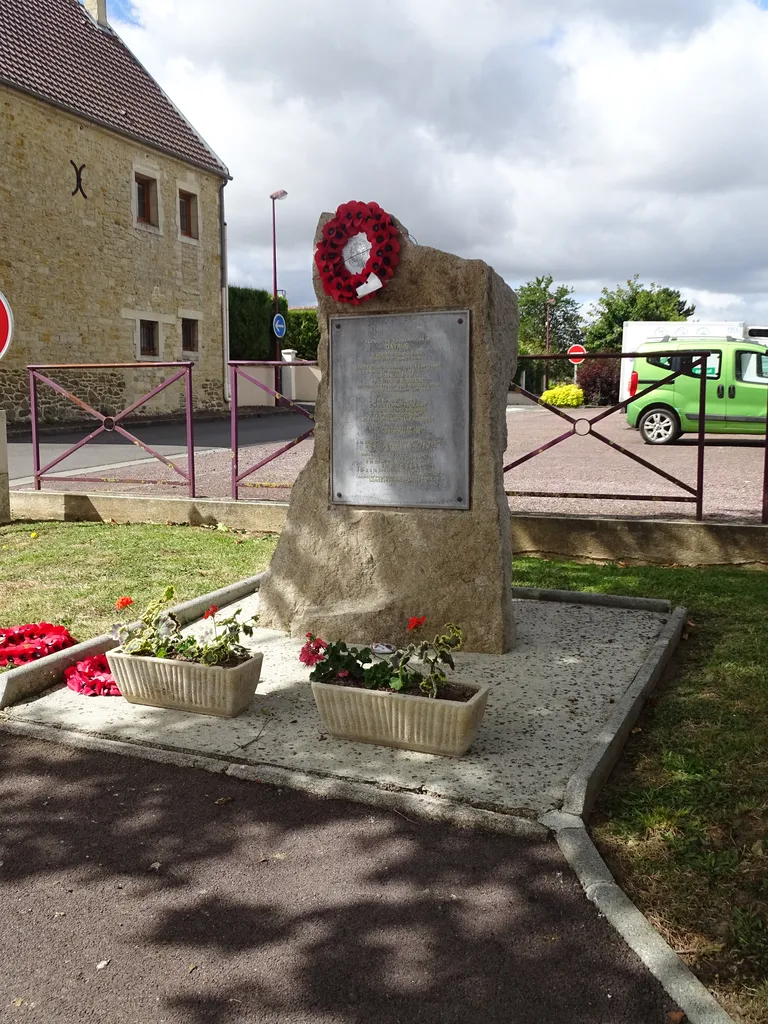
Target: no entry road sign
{"x":576,"y":354}
{"x":6,"y":325}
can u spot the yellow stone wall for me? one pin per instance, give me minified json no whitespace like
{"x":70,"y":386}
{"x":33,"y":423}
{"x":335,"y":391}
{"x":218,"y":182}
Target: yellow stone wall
{"x":79,"y":272}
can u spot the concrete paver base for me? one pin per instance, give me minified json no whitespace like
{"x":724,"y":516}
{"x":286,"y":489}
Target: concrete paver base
{"x":550,"y":699}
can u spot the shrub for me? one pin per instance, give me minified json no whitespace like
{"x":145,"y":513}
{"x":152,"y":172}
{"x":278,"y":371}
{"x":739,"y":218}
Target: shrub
{"x":599,"y":380}
{"x":564,"y":394}
{"x":250,"y":323}
{"x":303,"y":332}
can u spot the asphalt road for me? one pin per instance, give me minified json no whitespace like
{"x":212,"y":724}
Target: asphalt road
{"x":139,"y":893}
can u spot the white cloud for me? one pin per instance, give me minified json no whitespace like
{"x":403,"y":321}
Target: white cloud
{"x":587,"y":138}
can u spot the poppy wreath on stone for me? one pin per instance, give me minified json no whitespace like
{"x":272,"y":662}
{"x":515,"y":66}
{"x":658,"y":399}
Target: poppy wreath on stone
{"x":349,"y":220}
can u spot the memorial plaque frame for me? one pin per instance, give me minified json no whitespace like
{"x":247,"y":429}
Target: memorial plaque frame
{"x":408,"y":452}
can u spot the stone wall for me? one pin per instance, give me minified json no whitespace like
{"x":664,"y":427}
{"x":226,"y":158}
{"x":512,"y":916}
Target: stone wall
{"x":81,"y":272}
{"x":5,"y":498}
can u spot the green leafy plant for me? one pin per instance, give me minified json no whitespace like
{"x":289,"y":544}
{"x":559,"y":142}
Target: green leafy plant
{"x":382,"y":668}
{"x":564,"y":395}
{"x":158,"y":634}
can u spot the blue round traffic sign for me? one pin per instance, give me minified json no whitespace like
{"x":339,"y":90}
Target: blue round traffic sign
{"x":278,"y":325}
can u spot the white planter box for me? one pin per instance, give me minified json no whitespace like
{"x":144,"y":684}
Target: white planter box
{"x":184,"y":685}
{"x":393,"y":720}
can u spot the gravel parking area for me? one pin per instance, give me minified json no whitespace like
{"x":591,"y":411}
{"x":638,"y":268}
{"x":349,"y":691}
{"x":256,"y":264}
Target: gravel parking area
{"x":732,"y":476}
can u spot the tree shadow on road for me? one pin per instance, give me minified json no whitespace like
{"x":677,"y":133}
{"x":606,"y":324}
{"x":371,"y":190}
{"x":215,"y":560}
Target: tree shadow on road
{"x":220,"y":901}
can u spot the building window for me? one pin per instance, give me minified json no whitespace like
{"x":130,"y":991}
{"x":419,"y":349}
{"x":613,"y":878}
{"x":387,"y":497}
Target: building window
{"x":146,"y":200}
{"x":188,"y":214}
{"x":189,"y":337}
{"x":148,"y":345}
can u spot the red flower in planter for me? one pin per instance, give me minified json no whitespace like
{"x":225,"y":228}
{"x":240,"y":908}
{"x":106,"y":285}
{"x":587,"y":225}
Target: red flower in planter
{"x":313,"y":650}
{"x":416,"y":622}
{"x":123,"y":602}
{"x":210,"y":612}
{"x":92,"y":677}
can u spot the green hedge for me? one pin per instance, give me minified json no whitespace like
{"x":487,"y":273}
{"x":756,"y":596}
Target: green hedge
{"x":303,"y":333}
{"x":250,"y":323}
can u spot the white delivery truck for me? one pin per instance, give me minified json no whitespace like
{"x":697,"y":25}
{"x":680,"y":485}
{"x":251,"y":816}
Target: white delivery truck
{"x":696,"y":331}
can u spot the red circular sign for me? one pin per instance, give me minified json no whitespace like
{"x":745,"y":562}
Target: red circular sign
{"x":6,"y":325}
{"x":576,"y":354}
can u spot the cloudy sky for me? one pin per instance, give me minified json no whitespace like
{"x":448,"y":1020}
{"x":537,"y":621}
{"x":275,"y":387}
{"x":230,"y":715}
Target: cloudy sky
{"x":589,"y":139}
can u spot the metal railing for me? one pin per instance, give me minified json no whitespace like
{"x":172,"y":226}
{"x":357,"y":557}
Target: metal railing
{"x":583,"y":426}
{"x":111,"y":423}
{"x":236,"y":371}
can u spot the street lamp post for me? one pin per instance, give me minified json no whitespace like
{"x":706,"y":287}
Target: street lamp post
{"x":550,"y":302}
{"x":280,"y":194}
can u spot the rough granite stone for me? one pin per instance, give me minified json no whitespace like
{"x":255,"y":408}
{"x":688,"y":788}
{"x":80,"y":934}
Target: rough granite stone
{"x":356,"y":573}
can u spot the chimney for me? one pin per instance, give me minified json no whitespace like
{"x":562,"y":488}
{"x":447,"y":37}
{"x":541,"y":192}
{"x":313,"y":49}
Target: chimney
{"x":98,"y":11}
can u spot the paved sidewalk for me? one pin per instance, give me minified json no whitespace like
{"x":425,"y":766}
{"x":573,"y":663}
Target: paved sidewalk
{"x":551,"y":699}
{"x":139,"y":893}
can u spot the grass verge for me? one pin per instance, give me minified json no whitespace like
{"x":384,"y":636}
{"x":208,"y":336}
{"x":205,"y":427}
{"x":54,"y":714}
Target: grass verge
{"x":72,"y":573}
{"x":683,"y":821}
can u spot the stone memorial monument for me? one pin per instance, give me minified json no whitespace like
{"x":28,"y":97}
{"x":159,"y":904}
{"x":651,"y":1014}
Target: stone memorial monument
{"x":401,"y":510}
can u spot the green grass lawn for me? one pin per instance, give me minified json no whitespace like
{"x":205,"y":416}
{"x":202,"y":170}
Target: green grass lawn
{"x":72,"y":573}
{"x":683,"y":821}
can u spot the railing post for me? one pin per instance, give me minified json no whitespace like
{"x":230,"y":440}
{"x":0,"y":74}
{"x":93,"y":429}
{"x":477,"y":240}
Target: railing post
{"x":233,"y":435}
{"x":190,"y":431}
{"x":35,"y":439}
{"x":701,"y":446}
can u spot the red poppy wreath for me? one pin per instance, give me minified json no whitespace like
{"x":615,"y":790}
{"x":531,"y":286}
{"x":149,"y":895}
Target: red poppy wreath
{"x":358,"y":252}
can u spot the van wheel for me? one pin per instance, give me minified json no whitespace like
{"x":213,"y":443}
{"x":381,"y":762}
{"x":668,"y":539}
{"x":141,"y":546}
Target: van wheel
{"x":659,"y":426}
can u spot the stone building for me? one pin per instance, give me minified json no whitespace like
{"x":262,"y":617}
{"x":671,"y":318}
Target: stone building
{"x":112,"y":235}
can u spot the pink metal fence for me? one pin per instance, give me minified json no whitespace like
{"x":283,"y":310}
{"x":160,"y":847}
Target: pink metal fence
{"x":109,"y":423}
{"x":236,"y":371}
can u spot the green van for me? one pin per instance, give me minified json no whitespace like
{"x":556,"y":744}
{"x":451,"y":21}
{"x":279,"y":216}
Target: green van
{"x":737,"y":388}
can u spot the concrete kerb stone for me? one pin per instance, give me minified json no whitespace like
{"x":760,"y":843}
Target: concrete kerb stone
{"x":678,"y":981}
{"x":585,"y":783}
{"x":37,"y":676}
{"x":599,"y":885}
{"x":645,"y":604}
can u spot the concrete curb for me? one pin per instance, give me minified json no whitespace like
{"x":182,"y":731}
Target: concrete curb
{"x":419,"y":805}
{"x":645,"y":604}
{"x":599,"y":885}
{"x":28,"y":680}
{"x":587,"y":780}
{"x":665,"y":965}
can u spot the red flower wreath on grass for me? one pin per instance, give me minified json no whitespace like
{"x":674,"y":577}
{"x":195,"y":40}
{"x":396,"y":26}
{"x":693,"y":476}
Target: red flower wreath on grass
{"x":351,"y":219}
{"x":92,"y":677}
{"x":22,"y":644}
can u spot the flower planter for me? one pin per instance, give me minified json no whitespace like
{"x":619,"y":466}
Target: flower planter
{"x":185,"y":685}
{"x":430,"y":726}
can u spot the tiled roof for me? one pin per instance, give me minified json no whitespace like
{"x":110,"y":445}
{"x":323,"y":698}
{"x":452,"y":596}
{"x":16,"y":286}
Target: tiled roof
{"x":56,"y":51}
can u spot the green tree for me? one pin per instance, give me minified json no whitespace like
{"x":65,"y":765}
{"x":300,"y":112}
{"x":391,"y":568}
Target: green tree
{"x":565,"y":323}
{"x":635,"y":302}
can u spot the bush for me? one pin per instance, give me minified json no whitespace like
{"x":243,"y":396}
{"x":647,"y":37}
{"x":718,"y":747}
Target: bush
{"x":250,"y":323}
{"x":303,"y":332}
{"x":599,"y":380}
{"x":564,"y":394}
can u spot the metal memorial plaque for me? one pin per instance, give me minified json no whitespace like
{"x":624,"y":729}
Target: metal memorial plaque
{"x":400,"y":410}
